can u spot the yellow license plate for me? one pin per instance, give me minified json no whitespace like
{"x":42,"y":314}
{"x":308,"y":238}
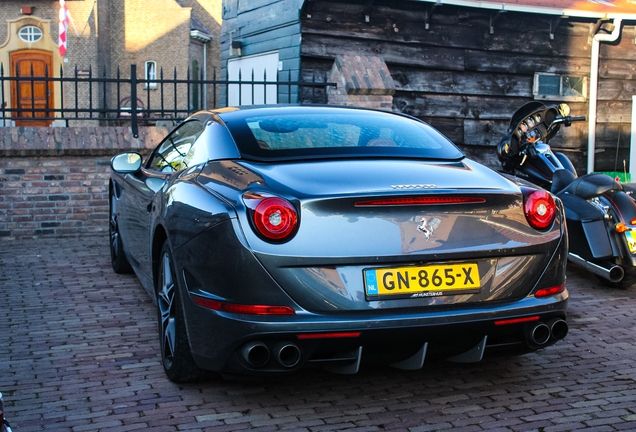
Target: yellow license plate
{"x":422,"y":281}
{"x":631,"y":241}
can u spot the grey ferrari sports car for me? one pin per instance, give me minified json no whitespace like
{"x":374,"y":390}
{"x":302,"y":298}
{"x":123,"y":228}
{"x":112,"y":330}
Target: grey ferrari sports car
{"x":282,"y":237}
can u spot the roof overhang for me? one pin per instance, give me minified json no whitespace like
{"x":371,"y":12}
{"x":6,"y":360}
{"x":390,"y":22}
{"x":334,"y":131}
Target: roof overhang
{"x":200,"y":36}
{"x":598,"y":9}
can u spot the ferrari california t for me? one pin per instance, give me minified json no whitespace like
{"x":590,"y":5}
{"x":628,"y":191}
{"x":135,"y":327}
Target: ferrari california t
{"x":282,"y":237}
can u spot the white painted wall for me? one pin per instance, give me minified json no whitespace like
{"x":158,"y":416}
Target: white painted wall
{"x":259,"y":65}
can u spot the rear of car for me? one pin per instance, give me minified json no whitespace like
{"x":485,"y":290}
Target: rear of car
{"x":360,"y":235}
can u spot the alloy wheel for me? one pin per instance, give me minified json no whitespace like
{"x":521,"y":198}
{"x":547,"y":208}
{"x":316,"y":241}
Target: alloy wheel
{"x":167,"y":310}
{"x":114,"y":229}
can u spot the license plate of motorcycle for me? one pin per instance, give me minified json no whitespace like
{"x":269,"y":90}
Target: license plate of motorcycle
{"x":631,"y":241}
{"x":422,"y":281}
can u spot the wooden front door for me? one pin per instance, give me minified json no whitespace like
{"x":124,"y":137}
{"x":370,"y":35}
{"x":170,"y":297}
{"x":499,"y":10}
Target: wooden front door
{"x":28,"y":93}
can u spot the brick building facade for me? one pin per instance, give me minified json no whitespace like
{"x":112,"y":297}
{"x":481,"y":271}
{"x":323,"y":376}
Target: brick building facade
{"x":106,"y":35}
{"x":54,"y":180}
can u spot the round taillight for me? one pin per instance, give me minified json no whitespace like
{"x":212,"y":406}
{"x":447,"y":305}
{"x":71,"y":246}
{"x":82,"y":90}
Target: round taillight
{"x":275,"y":218}
{"x":540,"y":208}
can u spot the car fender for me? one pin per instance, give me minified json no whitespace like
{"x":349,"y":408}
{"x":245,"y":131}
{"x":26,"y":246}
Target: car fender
{"x":189,"y":209}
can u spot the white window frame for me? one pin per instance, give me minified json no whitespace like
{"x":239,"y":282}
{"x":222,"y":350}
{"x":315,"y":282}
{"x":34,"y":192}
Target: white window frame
{"x":30,"y":33}
{"x":562,"y":96}
{"x":150,"y":74}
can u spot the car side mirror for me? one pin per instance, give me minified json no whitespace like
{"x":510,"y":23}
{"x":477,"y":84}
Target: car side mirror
{"x":124,"y":163}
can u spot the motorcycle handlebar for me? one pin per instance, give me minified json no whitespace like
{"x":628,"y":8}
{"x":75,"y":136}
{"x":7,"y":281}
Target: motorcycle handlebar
{"x":567,"y":120}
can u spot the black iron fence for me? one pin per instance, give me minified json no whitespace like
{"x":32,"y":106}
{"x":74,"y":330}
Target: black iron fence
{"x":38,"y":99}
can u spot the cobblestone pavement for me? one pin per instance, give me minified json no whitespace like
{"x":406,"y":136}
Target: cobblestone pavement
{"x":80,"y":353}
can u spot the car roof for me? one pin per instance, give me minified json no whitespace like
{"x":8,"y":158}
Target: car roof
{"x":222,"y":114}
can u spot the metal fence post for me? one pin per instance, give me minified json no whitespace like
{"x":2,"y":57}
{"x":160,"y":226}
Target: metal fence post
{"x":133,"y":101}
{"x":2,"y":101}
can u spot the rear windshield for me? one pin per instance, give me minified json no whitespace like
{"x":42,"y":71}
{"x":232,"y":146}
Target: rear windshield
{"x":303,"y":132}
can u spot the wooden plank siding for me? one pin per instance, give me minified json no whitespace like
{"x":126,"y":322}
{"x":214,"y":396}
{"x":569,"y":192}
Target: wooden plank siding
{"x":264,"y":26}
{"x":466,"y":81}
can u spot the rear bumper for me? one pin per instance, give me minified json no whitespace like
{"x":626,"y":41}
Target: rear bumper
{"x":224,"y":342}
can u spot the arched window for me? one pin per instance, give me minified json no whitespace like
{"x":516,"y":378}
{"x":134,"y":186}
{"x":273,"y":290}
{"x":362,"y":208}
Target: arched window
{"x":151,"y":74}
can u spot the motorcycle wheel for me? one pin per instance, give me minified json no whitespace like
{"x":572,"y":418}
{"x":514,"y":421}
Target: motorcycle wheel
{"x":628,"y":280}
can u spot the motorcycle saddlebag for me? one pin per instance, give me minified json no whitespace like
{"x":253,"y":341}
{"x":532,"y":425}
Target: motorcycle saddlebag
{"x":586,"y":228}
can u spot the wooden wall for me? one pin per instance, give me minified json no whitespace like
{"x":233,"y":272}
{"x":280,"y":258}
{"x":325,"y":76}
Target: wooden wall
{"x":466,"y":81}
{"x":263,"y":26}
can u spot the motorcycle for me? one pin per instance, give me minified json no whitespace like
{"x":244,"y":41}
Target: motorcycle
{"x":4,"y":424}
{"x":600,"y":211}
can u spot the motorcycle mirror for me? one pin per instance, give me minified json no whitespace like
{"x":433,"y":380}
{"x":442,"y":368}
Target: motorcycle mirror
{"x":564,"y":109}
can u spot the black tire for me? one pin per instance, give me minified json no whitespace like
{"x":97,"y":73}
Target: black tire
{"x":175,"y":348}
{"x":117,"y":257}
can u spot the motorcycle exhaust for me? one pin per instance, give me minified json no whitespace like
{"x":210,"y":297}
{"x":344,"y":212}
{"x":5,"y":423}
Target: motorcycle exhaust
{"x":255,"y":353}
{"x":613,"y":273}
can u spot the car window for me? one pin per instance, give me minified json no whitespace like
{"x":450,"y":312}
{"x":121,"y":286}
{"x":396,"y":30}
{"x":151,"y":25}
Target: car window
{"x":280,"y":137}
{"x":178,"y":150}
{"x":334,"y":132}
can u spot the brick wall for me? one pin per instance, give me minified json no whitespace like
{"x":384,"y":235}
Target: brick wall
{"x":54,"y":181}
{"x":361,"y":81}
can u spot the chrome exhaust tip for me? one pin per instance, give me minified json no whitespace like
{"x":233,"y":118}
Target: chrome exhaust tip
{"x":612,"y":272}
{"x":540,"y":334}
{"x":256,"y":354}
{"x":288,"y":354}
{"x":558,"y":328}
{"x":616,"y":274}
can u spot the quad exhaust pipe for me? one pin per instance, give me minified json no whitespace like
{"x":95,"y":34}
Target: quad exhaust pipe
{"x":558,"y":328}
{"x":611,"y":272}
{"x":541,"y":333}
{"x":257,"y":354}
{"x":287,"y":354}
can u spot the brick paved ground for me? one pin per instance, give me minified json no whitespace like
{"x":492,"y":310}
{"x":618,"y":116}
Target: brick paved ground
{"x":79,"y":353}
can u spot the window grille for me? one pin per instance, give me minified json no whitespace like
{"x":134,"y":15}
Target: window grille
{"x":30,"y":34}
{"x":559,"y":87}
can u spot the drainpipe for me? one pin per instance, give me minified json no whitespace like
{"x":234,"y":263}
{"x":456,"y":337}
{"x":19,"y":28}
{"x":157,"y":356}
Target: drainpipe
{"x":205,"y":76}
{"x":596,"y":43}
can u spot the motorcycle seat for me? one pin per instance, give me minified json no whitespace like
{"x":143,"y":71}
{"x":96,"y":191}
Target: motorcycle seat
{"x":629,"y":187}
{"x":591,"y":185}
{"x":577,"y":209}
{"x":560,"y":179}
